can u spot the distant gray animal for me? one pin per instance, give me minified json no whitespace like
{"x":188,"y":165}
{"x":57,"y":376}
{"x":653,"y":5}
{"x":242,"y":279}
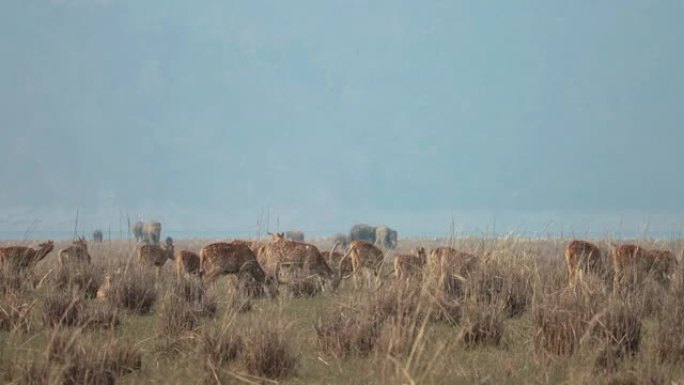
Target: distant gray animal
{"x":294,"y":235}
{"x":97,"y":236}
{"x":168,"y":241}
{"x":151,"y":232}
{"x":137,"y":230}
{"x":385,"y":237}
{"x":362,"y":232}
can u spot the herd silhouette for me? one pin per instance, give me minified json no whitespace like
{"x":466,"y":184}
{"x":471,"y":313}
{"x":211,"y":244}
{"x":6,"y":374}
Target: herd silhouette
{"x":286,"y":257}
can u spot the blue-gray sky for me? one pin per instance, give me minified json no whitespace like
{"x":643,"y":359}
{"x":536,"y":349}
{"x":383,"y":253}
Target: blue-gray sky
{"x":330,"y":113}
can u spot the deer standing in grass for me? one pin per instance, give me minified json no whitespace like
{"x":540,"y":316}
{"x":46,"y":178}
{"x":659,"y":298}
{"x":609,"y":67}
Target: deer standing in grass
{"x":21,"y":258}
{"x":631,"y":261}
{"x":187,"y":263}
{"x":448,"y":260}
{"x":237,"y":258}
{"x":75,"y":254}
{"x":365,"y":258}
{"x":154,"y":255}
{"x":333,"y":260}
{"x":583,"y":257}
{"x":410,"y":265}
{"x":297,"y":256}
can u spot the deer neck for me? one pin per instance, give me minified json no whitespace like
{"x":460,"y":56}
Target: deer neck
{"x":43,"y":252}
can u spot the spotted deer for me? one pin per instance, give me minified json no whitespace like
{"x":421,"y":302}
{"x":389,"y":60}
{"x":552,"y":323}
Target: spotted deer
{"x":23,"y":258}
{"x":365,"y":258}
{"x":187,"y":263}
{"x":447,"y":260}
{"x":633,"y":263}
{"x":75,"y":254}
{"x":237,"y":258}
{"x":298,"y":257}
{"x":333,"y":260}
{"x":410,"y":265}
{"x":154,"y":256}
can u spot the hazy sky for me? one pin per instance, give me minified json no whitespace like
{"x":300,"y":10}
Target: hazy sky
{"x":328,"y":113}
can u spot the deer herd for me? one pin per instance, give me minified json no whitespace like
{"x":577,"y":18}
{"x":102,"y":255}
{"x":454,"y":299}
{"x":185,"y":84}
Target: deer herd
{"x":270,"y":263}
{"x":631,"y":263}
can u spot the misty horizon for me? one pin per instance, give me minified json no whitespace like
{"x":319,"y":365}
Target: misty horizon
{"x":527,"y":117}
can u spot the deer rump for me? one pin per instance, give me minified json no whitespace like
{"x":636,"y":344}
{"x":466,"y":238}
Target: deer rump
{"x":302,"y":259}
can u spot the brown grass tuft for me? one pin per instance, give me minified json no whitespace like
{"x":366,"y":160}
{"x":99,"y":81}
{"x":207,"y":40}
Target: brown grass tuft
{"x":15,"y":313}
{"x":562,"y":318}
{"x":267,"y":354}
{"x":34,"y":372}
{"x":669,"y":333}
{"x":83,"y":363}
{"x":219,"y":347}
{"x":12,"y":281}
{"x":194,"y":294}
{"x":81,"y":278}
{"x":618,"y":333}
{"x":62,"y":309}
{"x":133,"y":290}
{"x":345,"y":333}
{"x":481,"y":325}
{"x":99,"y":317}
{"x":177,"y":316}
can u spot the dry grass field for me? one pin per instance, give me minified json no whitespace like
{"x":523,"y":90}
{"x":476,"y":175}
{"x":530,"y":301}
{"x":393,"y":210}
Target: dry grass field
{"x":512,"y":319}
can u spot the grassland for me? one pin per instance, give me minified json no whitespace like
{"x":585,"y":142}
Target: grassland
{"x":512,"y":321}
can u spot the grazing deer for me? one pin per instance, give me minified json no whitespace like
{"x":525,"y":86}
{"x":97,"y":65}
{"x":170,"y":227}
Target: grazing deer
{"x":636,"y":262}
{"x":77,"y":253}
{"x":299,"y":256}
{"x":187,"y":263}
{"x":583,"y":257}
{"x":223,"y":258}
{"x":153,"y":255}
{"x":662,"y":264}
{"x":22,"y":258}
{"x":410,"y":265}
{"x":364,"y":256}
{"x":333,"y":260}
{"x":447,"y":260}
{"x":253,"y":245}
